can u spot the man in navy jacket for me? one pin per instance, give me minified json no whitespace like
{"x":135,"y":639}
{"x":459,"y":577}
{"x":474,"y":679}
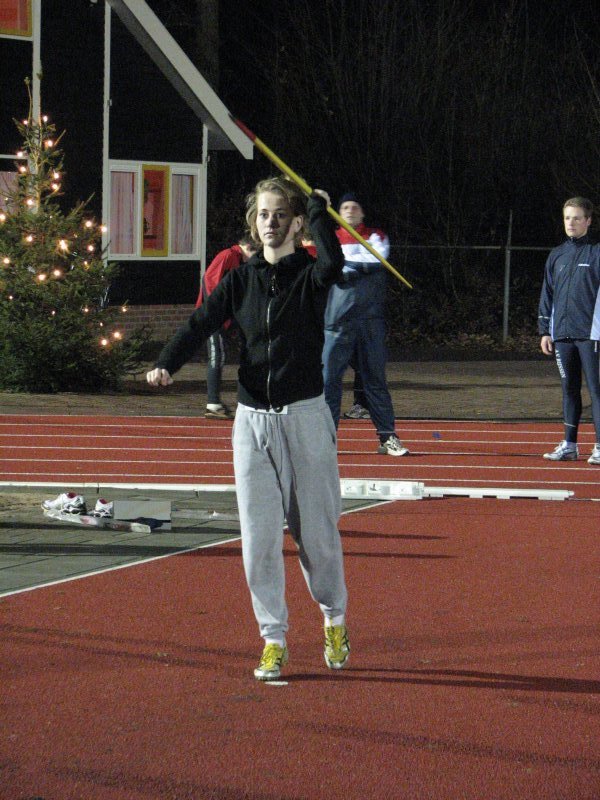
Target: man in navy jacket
{"x":569,"y":322}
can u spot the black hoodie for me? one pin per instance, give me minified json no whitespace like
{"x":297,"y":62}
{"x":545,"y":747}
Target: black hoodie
{"x":279,"y":310}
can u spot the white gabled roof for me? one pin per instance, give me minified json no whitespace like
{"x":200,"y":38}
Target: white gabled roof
{"x":162,"y":48}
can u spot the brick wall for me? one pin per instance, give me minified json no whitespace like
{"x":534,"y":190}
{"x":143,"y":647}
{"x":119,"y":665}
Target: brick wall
{"x":163,"y":320}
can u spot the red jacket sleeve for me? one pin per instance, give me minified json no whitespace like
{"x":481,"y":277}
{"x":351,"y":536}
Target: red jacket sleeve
{"x":223,"y":262}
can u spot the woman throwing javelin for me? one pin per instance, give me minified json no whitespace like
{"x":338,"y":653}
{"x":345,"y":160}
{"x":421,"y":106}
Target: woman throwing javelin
{"x":284,"y":440}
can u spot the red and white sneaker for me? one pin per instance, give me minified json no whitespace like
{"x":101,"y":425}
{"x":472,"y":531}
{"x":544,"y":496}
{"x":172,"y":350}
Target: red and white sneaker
{"x":104,"y":508}
{"x":68,"y":503}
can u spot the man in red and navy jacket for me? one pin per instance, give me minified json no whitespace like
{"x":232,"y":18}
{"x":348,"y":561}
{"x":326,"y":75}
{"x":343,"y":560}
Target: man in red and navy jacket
{"x":355,"y":325}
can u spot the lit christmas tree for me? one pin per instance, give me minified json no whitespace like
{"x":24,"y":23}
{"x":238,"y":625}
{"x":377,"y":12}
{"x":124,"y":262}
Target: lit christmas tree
{"x":56,"y":331}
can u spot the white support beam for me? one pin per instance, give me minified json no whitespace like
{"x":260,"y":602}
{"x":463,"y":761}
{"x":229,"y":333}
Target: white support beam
{"x":175,"y":65}
{"x":351,"y":489}
{"x":499,"y":493}
{"x":381,"y":490}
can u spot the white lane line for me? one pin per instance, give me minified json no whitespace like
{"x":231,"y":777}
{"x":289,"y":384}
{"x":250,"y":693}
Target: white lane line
{"x":471,"y":480}
{"x":147,"y":480}
{"x":95,"y":474}
{"x":108,"y":461}
{"x":82,"y":420}
{"x":120,"y":436}
{"x":405,"y":463}
{"x":375,"y":466}
{"x":342,"y":441}
{"x":154,"y":423}
{"x":119,"y":448}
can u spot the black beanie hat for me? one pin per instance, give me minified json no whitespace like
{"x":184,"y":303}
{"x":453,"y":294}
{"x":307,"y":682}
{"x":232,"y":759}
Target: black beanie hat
{"x":348,"y":198}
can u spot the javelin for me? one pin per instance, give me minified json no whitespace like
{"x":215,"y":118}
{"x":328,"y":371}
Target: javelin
{"x":307,"y":190}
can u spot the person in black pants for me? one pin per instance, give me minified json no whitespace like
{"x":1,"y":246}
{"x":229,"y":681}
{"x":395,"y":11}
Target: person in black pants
{"x":569,"y":322}
{"x":225,"y":260}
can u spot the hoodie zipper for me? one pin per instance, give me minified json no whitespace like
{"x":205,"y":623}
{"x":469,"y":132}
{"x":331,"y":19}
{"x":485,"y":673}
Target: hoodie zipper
{"x":572,"y":266}
{"x":272,"y":291}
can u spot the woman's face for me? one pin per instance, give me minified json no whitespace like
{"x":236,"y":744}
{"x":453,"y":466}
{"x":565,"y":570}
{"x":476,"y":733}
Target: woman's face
{"x":275,"y":222}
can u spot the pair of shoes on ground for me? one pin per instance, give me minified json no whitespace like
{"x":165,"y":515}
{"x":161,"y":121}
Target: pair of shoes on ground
{"x":568,"y":451}
{"x":357,"y":412}
{"x":218,"y":411}
{"x":275,"y":656}
{"x":72,"y":503}
{"x":392,"y":447}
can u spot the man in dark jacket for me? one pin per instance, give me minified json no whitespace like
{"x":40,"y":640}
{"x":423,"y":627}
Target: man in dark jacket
{"x":284,"y":442}
{"x":569,"y":322}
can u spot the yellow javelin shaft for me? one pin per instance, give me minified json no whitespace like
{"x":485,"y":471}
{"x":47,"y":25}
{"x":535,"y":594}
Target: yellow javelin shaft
{"x":307,"y":190}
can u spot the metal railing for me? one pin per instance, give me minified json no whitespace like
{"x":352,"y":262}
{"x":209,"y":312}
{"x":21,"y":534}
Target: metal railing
{"x":507,"y":248}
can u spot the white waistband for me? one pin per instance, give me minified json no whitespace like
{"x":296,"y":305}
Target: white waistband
{"x":278,"y":411}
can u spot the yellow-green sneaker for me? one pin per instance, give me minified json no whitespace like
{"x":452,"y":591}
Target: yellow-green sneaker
{"x":273,"y":658}
{"x":337,"y":646}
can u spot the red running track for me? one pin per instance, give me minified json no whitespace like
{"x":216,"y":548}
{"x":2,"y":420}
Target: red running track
{"x":474,"y":672}
{"x":474,"y":628}
{"x":65,"y":450}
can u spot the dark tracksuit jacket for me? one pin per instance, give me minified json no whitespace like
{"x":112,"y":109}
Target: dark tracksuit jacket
{"x":570,"y":299}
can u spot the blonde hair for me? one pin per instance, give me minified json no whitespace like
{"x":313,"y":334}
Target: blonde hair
{"x":291,"y":193}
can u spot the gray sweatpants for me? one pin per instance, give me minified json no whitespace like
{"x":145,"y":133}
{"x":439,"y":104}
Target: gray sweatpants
{"x":286,"y":469}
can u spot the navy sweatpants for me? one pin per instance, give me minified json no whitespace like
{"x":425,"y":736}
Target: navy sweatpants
{"x":575,"y":357}
{"x":362,"y":342}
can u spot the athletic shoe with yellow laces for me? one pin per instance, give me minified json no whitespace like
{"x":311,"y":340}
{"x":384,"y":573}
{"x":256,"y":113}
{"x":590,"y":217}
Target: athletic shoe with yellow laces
{"x":337,"y":646}
{"x":274,"y":656}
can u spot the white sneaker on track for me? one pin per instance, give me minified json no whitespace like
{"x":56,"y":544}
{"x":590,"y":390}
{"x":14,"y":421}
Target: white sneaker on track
{"x":68,"y":503}
{"x":565,"y":451}
{"x":392,"y":447}
{"x":595,"y":457}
